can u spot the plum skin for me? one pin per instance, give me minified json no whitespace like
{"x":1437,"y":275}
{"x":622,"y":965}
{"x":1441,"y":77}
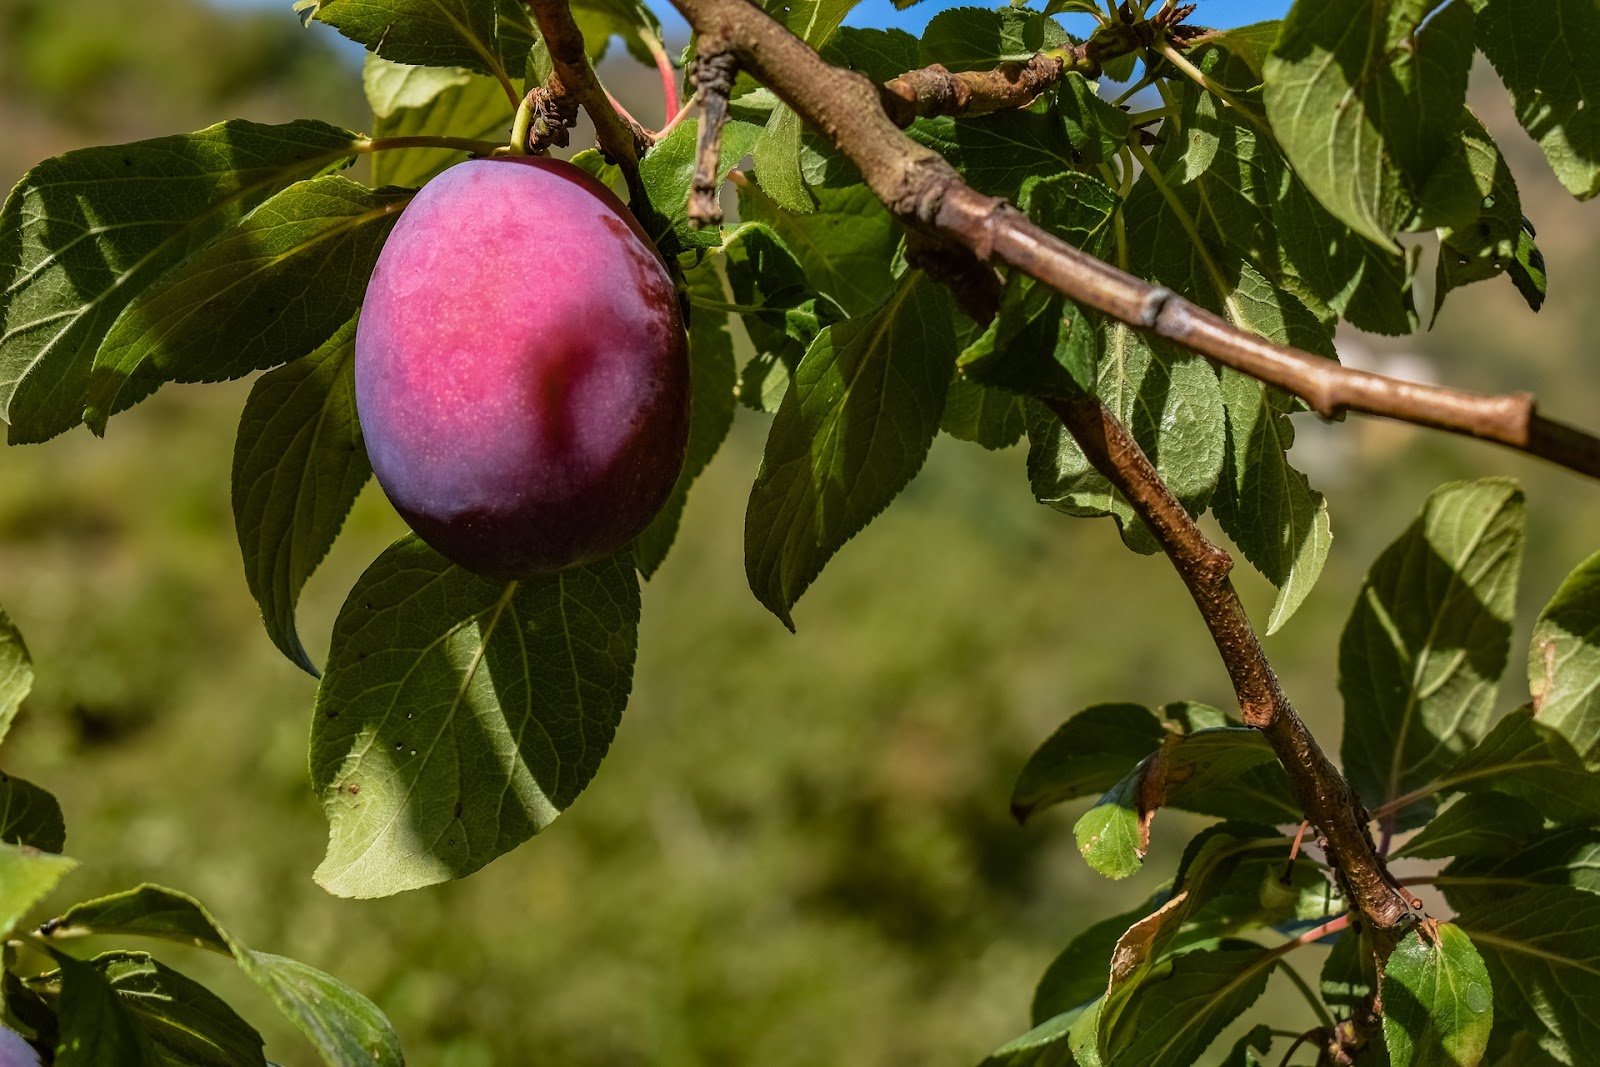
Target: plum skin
{"x":521,"y":370}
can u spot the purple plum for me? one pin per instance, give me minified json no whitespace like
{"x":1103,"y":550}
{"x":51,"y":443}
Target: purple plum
{"x":522,"y":376}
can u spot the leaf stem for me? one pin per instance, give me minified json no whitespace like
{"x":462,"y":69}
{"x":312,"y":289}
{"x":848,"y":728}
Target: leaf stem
{"x":461,"y":144}
{"x":669,"y":76}
{"x":1212,"y":86}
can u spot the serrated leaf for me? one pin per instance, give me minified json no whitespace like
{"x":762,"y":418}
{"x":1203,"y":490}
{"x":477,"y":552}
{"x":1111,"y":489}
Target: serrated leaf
{"x":1183,"y":1005}
{"x":345,"y":1027}
{"x":1244,"y":1051}
{"x":1527,"y":760}
{"x":1499,"y":240}
{"x":460,"y":715}
{"x":1114,"y":834}
{"x":1171,"y":402}
{"x":781,"y":312}
{"x":844,"y":248}
{"x":1366,"y":98}
{"x":600,"y":20}
{"x":1236,"y":877}
{"x":27,"y":876}
{"x":1095,"y":129}
{"x":1249,"y":205}
{"x":16,"y":672}
{"x":998,"y":153}
{"x":712,"y":377}
{"x":392,"y":87}
{"x":183,"y":1022}
{"x":30,"y":815}
{"x":428,"y":33}
{"x":1479,"y":824}
{"x":974,"y":38}
{"x":988,"y":417}
{"x":298,"y":466}
{"x":1421,"y":655}
{"x":1438,"y":1006}
{"x":85,"y":233}
{"x":1564,"y":662}
{"x":813,"y":21}
{"x":1562,"y":856}
{"x":1250,"y":44}
{"x":1046,"y":1045}
{"x":666,"y":173}
{"x":880,"y":55}
{"x":1541,"y":51}
{"x":1542,"y":951}
{"x":851,"y":433}
{"x":475,"y":107}
{"x":776,"y":157}
{"x":277,"y":286}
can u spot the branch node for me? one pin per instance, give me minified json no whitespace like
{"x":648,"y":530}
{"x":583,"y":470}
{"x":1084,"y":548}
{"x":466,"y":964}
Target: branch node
{"x":1151,"y":305}
{"x":713,"y":71}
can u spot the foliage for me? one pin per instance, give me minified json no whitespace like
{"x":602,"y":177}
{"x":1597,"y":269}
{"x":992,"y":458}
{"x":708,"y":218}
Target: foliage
{"x":1270,"y":184}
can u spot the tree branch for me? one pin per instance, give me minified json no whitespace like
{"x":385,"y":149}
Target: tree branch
{"x":712,"y":72}
{"x":927,"y":194}
{"x":621,"y":140}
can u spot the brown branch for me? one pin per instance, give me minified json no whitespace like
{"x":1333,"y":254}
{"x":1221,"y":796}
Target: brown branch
{"x":1323,"y":793}
{"x":712,"y":72}
{"x":927,"y":194}
{"x":621,"y":140}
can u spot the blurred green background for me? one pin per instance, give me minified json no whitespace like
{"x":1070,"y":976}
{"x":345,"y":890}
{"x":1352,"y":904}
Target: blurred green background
{"x":798,"y":850}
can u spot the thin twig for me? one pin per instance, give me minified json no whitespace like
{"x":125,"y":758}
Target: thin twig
{"x":619,"y":139}
{"x":712,"y":72}
{"x":669,"y":76}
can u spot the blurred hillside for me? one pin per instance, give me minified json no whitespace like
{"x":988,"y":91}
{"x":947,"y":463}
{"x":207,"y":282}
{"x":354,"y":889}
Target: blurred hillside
{"x":798,"y":851}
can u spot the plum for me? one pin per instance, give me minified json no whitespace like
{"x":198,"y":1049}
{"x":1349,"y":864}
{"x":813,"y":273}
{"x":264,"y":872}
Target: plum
{"x":522,"y":376}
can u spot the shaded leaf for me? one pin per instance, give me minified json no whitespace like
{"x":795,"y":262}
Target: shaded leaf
{"x":666,"y":173}
{"x":1541,"y":51}
{"x":460,"y":715}
{"x":97,"y":1028}
{"x":1046,"y":1045}
{"x":1366,"y":98}
{"x":1088,"y":754}
{"x":850,"y":434}
{"x":30,"y":815}
{"x":1561,"y":857}
{"x":989,"y":417}
{"x":298,"y":466}
{"x":1078,"y":974}
{"x":276,"y":286}
{"x":1479,"y":824}
{"x":1499,"y":240}
{"x":344,"y":1026}
{"x":1438,"y":1006}
{"x":845,"y":247}
{"x":1183,"y":1005}
{"x":1527,"y":760}
{"x":998,"y":153}
{"x":84,"y":233}
{"x":1244,"y":1051}
{"x":1421,"y":657}
{"x":881,"y":55}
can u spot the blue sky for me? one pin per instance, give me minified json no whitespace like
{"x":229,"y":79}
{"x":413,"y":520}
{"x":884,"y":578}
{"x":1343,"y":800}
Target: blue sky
{"x":1221,"y":13}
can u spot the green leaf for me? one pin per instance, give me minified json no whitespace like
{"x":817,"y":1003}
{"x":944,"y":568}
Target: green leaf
{"x":998,"y":153}
{"x":428,"y":33}
{"x":459,"y":715}
{"x":1421,"y":657}
{"x":1438,"y":1006}
{"x":974,"y":38}
{"x":344,"y":1026}
{"x":1243,"y":1053}
{"x":183,"y":1022}
{"x":1038,"y":344}
{"x":850,"y":434}
{"x":1366,"y":98}
{"x":1541,"y":51}
{"x":1235,"y":877}
{"x":763,"y":273}
{"x":1094,"y":127}
{"x":83,"y":234}
{"x":392,"y":87}
{"x":97,"y":1027}
{"x":1527,"y":760}
{"x":1114,"y":834}
{"x":1171,"y":402}
{"x":1184,"y":1004}
{"x":27,"y":876}
{"x":601,"y":20}
{"x":1046,"y":1045}
{"x":844,"y":248}
{"x":712,"y":377}
{"x":1228,"y":771}
{"x":880,"y":55}
{"x":1542,"y":951}
{"x":474,"y":107}
{"x":16,"y":672}
{"x":1479,"y":824}
{"x":989,"y":417}
{"x":1564,"y":857}
{"x":1499,"y":240}
{"x":30,"y":815}
{"x":1251,"y":44}
{"x":298,"y":466}
{"x":277,"y":286}
{"x":1088,"y":754}
{"x":776,"y":157}
{"x":1078,"y":974}
{"x":666,"y":173}
{"x":1349,"y":973}
{"x":1564,"y":662}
